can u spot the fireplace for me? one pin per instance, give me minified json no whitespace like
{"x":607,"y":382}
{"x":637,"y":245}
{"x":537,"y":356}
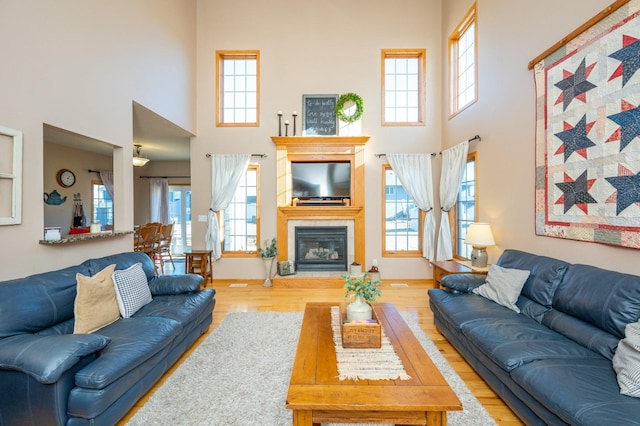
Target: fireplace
{"x":321,"y":248}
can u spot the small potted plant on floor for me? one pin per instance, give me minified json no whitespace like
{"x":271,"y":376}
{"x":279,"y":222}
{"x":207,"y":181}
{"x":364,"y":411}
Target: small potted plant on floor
{"x":363,"y":291}
{"x":268,"y":255}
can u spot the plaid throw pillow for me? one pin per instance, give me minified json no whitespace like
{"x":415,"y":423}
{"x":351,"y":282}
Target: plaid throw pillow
{"x":132,"y":290}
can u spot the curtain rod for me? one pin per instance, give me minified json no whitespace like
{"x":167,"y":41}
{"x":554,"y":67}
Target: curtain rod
{"x":253,"y":155}
{"x":164,"y":177}
{"x":93,"y":171}
{"x":433,"y":154}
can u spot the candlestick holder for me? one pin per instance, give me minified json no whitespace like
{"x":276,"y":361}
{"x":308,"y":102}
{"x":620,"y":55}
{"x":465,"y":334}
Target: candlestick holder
{"x":295,"y":114}
{"x":286,"y":128}
{"x":279,"y":123}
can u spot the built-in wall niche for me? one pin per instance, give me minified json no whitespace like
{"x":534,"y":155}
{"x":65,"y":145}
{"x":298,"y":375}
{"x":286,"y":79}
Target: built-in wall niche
{"x":73,"y":154}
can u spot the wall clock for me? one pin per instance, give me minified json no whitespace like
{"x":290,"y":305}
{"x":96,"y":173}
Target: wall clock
{"x":65,"y":178}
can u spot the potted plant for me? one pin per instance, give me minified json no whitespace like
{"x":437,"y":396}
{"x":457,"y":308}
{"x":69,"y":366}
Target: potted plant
{"x":268,"y":254}
{"x":363,"y":291}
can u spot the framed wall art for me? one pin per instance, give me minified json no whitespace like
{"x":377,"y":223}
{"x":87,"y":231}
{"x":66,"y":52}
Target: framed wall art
{"x":10,"y":176}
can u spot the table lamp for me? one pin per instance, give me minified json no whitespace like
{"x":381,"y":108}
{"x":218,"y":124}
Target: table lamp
{"x":480,"y":237}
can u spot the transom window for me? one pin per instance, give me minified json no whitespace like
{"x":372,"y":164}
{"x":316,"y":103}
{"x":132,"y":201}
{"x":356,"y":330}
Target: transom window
{"x":240,"y":222}
{"x":237,"y":89}
{"x":462,"y":63}
{"x":466,"y":207}
{"x":403,"y":86}
{"x":402,"y":219}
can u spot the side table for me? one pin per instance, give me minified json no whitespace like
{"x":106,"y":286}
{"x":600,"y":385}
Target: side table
{"x":199,"y":262}
{"x":442,"y":268}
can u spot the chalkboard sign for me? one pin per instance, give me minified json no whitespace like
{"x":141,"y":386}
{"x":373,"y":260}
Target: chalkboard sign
{"x":319,"y":115}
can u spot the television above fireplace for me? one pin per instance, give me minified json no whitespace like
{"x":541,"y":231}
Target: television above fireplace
{"x":329,"y":179}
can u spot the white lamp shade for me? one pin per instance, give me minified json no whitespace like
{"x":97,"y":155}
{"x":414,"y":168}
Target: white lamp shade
{"x":479,"y":234}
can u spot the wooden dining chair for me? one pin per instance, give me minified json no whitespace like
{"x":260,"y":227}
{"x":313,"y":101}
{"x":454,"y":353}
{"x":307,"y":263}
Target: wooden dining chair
{"x":164,"y":249}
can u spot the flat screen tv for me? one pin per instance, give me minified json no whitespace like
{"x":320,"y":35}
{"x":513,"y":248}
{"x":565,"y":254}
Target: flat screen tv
{"x":321,"y":179}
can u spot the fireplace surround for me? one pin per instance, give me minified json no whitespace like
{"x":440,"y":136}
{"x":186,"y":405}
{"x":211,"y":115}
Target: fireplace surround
{"x":289,"y":211}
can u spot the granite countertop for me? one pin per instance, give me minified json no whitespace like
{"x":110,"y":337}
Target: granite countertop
{"x":86,"y":237}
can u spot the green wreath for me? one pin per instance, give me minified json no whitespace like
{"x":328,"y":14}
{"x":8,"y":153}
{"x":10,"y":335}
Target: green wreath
{"x":349,"y":97}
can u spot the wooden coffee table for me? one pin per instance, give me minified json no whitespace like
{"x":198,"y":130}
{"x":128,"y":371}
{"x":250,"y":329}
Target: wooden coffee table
{"x":316,"y":395}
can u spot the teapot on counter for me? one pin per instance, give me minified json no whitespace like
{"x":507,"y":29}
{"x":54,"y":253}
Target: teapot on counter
{"x":54,"y":198}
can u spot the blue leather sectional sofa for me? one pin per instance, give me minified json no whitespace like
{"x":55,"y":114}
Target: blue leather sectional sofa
{"x":551,"y":363}
{"x":50,"y":376}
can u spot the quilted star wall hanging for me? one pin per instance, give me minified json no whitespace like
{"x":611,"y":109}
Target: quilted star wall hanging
{"x":588,"y":133}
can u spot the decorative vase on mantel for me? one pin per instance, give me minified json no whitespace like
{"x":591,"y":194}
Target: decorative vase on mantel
{"x":359,"y":310}
{"x":268,"y":267}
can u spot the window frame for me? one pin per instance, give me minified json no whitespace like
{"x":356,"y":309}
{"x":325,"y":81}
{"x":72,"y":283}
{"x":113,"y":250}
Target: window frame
{"x":99,"y":182}
{"x":221,"y":56}
{"x":421,"y":216}
{"x":221,"y":221}
{"x":421,"y":54}
{"x":469,"y":19}
{"x":453,"y":213}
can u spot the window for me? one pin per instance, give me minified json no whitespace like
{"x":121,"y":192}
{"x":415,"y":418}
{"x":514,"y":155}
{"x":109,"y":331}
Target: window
{"x":463,"y":63}
{"x":101,"y":205}
{"x":241,"y":216}
{"x":403,"y":91}
{"x":180,"y":216}
{"x":237,"y":89}
{"x":403,"y":219}
{"x":466,"y":208}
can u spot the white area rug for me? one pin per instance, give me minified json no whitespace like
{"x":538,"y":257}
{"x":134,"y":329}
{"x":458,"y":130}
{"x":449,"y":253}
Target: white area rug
{"x":239,"y":376}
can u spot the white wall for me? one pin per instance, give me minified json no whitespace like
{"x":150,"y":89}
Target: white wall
{"x":510,"y":34}
{"x":307,"y":47}
{"x":78,"y":65}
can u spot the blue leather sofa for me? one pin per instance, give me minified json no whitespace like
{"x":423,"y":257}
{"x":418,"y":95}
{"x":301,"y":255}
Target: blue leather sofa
{"x":50,"y":376}
{"x":551,"y":363}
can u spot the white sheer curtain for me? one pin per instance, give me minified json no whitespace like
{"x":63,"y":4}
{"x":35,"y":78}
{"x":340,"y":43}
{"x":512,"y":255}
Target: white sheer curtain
{"x":159,"y":200}
{"x":226,"y":172}
{"x":106,"y":176}
{"x":414,"y":172}
{"x":454,"y":161}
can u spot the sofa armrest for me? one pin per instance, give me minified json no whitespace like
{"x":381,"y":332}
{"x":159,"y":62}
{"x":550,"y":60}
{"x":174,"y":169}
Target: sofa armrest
{"x":463,"y":283}
{"x":46,"y":358}
{"x":175,"y":284}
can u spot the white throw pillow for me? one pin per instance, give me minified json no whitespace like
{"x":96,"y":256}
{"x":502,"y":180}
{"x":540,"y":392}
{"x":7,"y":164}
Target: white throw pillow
{"x":626,"y":361}
{"x":503,"y":286}
{"x":132,"y":289}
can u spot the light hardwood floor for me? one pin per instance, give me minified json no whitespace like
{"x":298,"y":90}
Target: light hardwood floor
{"x":414,"y":298}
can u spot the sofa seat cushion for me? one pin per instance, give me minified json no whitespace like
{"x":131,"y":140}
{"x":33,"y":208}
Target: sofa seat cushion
{"x":459,"y":309}
{"x":133,"y":342}
{"x":511,"y":344}
{"x":184,"y":308}
{"x":580,"y":391}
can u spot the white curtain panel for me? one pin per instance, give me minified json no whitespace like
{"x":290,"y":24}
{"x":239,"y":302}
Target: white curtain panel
{"x":106,"y":176}
{"x":226,"y":172}
{"x":159,"y":200}
{"x":454,"y":161}
{"x":414,"y":172}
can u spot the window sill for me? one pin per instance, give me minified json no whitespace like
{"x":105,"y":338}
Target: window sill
{"x":69,"y":239}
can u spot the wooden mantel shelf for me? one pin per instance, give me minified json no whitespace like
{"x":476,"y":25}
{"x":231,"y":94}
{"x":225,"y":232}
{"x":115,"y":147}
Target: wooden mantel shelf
{"x":319,"y":140}
{"x":327,"y":212}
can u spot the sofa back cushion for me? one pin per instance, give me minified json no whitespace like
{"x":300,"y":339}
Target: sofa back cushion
{"x":122,"y":261}
{"x":545,"y":274}
{"x":37,"y":302}
{"x":608,"y":300}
